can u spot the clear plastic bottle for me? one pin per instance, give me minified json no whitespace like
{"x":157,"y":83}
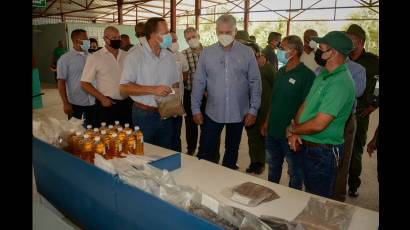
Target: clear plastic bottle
{"x":130,"y":146}
{"x":99,"y":146}
{"x":140,"y":141}
{"x":96,"y":132}
{"x":89,"y":130}
{"x":103,"y":126}
{"x":111,"y":130}
{"x":127,"y":127}
{"x":87,"y":153}
{"x":115,"y":146}
{"x":121,"y":134}
{"x":117,"y":125}
{"x":106,"y":138}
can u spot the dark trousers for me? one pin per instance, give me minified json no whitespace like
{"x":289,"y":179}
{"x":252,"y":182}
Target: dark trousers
{"x":211,"y":132}
{"x":343,"y":170}
{"x":120,"y":111}
{"x":358,"y":147}
{"x":86,"y":112}
{"x":191,"y":128}
{"x":176,"y":140}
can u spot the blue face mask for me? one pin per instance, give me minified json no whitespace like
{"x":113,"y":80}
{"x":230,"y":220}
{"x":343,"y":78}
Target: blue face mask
{"x":86,"y":45}
{"x":166,"y":41}
{"x":282,"y":56}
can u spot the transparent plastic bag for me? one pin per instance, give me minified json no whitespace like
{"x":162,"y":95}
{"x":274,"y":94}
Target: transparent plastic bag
{"x":281,"y":224}
{"x":324,"y":214}
{"x":171,"y":105}
{"x":251,"y":194}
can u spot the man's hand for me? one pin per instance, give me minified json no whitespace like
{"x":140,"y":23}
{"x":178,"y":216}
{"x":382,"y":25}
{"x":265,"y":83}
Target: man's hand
{"x":107,"y":102}
{"x":367,"y":111}
{"x":290,"y":128}
{"x":250,"y":120}
{"x":162,"y":90}
{"x":371,"y":147}
{"x":198,"y":119}
{"x":294,"y":142}
{"x":206,"y":94}
{"x":68,"y":109}
{"x":264,"y":128}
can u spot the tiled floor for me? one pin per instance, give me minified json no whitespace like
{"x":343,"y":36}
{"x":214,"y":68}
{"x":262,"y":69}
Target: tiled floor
{"x":369,"y":190}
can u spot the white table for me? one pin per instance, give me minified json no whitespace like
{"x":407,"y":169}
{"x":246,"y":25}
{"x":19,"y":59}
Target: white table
{"x":214,"y":179}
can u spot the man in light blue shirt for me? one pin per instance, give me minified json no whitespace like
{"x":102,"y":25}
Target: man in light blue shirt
{"x":358,"y":73}
{"x":77,"y":103}
{"x":150,"y":70}
{"x":230,"y":73}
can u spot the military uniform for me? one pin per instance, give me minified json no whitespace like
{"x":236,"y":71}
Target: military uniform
{"x":371,"y":63}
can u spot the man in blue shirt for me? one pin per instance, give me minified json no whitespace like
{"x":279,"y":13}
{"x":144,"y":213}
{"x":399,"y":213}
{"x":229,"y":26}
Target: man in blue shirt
{"x":150,"y":70}
{"x":77,"y":103}
{"x":230,"y":73}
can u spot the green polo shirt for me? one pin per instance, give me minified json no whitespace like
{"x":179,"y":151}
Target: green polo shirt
{"x":288,"y":93}
{"x":334,"y":94}
{"x":58,"y":52}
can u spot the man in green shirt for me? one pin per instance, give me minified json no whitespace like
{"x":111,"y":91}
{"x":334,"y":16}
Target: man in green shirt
{"x":290,"y":88}
{"x":365,"y":103}
{"x":57,"y":53}
{"x":320,"y":121}
{"x":256,"y":141}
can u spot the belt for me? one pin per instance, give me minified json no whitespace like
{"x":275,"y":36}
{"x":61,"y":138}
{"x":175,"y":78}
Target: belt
{"x":145,"y":107}
{"x":314,"y":145}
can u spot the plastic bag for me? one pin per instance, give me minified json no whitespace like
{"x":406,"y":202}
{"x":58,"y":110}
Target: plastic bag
{"x":324,"y":214}
{"x":251,"y":194}
{"x":171,"y":105}
{"x":281,"y":224}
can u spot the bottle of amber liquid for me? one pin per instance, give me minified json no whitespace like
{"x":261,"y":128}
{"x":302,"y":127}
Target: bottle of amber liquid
{"x":140,"y":141}
{"x":87,"y":153}
{"x":121,"y":134}
{"x":117,"y":125}
{"x":78,"y":144}
{"x":89,"y":130}
{"x":99,"y":146}
{"x":111,"y":130}
{"x":115,"y":146}
{"x":127,"y":127}
{"x":96,"y":132}
{"x":130,"y":146}
{"x":105,"y":138}
{"x":103,"y":126}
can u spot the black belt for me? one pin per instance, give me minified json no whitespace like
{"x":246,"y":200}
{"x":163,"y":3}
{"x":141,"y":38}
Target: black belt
{"x":315,"y":145}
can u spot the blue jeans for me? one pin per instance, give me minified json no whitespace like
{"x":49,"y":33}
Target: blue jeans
{"x":320,"y":167}
{"x":156,"y":131}
{"x":210,"y":134}
{"x":276,"y":150}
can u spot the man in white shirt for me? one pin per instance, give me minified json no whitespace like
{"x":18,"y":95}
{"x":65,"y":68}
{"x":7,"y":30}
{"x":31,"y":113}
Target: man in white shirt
{"x":308,"y":55}
{"x":104,"y":68}
{"x":151,"y":71}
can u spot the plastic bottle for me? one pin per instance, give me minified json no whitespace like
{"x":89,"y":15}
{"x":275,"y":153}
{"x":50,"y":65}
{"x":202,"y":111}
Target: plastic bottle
{"x":140,"y":141}
{"x":117,"y":125}
{"x":77,"y":144}
{"x":96,"y":132}
{"x":99,"y":146}
{"x":127,"y":127}
{"x":87,"y":153}
{"x":130,"y":146}
{"x":103,"y":126}
{"x":106,"y":138}
{"x":115,"y":146}
{"x":89,"y":130}
{"x":121,"y":134}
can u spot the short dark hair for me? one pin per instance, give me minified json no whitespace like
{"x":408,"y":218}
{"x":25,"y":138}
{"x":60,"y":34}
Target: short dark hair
{"x":93,"y":40}
{"x":151,"y":26}
{"x":124,"y":36}
{"x":254,"y":46}
{"x":77,"y":32}
{"x":274,"y":36}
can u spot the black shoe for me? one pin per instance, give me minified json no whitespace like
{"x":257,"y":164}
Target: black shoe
{"x":259,"y":168}
{"x":251,"y":168}
{"x":236,"y":167}
{"x":353,"y":193}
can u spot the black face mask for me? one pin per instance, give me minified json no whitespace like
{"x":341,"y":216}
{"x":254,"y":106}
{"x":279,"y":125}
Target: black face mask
{"x":115,"y":44}
{"x":91,"y":50}
{"x":318,"y":57}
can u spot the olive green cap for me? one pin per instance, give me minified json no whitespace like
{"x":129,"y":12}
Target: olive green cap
{"x":338,"y":40}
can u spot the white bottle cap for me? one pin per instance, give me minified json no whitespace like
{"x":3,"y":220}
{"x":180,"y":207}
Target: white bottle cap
{"x":97,"y":138}
{"x":95,"y":129}
{"x":89,"y":126}
{"x":119,"y":129}
{"x":136,"y":128}
{"x":110,"y":126}
{"x":128,"y":132}
{"x":114,"y":135}
{"x":78,"y":133}
{"x":126,"y":125}
{"x":103,"y":132}
{"x":117,"y":122}
{"x":86,"y":136}
{"x":103,"y":124}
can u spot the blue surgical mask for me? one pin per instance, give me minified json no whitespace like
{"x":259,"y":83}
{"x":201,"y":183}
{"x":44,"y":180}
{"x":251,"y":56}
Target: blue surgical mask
{"x":282,"y":56}
{"x":86,"y":45}
{"x":166,"y":41}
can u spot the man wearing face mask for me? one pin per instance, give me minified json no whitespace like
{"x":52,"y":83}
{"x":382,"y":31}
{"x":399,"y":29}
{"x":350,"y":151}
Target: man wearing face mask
{"x":77,"y":102}
{"x":93,"y":45}
{"x":290,"y":88}
{"x":365,"y":104}
{"x":320,"y":121}
{"x":103,"y":69}
{"x":256,"y":141}
{"x":229,"y":72}
{"x":308,"y":56}
{"x":149,"y":71}
{"x":269,"y":51}
{"x":125,"y":42}
{"x":182,"y":66}
{"x":358,"y":73}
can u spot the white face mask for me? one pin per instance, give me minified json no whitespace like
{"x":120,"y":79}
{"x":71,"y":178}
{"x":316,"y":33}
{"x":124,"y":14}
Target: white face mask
{"x":193,"y":43}
{"x":313,"y":44}
{"x":141,"y":39}
{"x":225,"y":39}
{"x":174,"y":47}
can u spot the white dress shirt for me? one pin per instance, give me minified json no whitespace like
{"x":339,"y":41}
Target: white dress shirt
{"x":309,"y":60}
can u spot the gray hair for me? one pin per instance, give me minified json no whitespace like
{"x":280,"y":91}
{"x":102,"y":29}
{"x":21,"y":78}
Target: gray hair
{"x":228,"y":19}
{"x":295,"y":42}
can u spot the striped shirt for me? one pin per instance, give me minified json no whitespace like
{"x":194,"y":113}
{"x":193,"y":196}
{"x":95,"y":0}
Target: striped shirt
{"x":192,"y":58}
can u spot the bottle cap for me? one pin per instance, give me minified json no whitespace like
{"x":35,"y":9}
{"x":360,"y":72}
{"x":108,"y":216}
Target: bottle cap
{"x":89,"y":126}
{"x":117,"y":122}
{"x":95,"y":129}
{"x":126,"y":125}
{"x":136,"y":128}
{"x":120,"y":129}
{"x":97,"y":138}
{"x":103,"y":132}
{"x":128,"y":132}
{"x":78,"y":133}
{"x":114,"y":135}
{"x":110,"y":126}
{"x":86,"y":136}
{"x":103,"y":124}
